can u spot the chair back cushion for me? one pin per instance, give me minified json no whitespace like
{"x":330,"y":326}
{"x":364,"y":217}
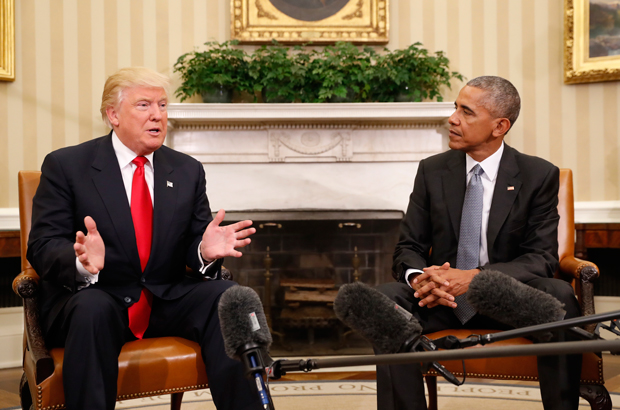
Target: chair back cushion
{"x":566,"y":209}
{"x":27,"y":183}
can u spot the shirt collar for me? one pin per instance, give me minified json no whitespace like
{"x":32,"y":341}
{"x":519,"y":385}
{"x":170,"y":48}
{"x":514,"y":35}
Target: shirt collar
{"x":490,"y":165}
{"x":124,"y":155}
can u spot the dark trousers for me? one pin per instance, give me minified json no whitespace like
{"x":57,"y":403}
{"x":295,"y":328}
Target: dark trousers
{"x":401,"y":387}
{"x":93,"y":326}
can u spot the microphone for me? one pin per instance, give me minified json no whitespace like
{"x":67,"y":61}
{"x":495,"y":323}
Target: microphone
{"x":384,"y":323}
{"x":246,"y":334}
{"x":505,"y":299}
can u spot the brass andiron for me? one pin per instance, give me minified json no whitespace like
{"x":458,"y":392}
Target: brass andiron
{"x":355,"y":261}
{"x":267,"y":297}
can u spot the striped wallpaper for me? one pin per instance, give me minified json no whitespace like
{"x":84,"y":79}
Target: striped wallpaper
{"x":66,"y":48}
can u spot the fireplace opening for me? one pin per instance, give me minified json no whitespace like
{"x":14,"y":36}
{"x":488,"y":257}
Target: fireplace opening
{"x":297,"y":261}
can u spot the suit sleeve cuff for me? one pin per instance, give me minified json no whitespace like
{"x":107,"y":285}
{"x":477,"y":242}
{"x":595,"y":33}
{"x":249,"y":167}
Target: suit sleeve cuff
{"x":205,"y":264}
{"x":84,"y":277}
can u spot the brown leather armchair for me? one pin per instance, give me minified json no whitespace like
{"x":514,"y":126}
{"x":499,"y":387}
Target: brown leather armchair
{"x":581,"y":275}
{"x":149,"y":367}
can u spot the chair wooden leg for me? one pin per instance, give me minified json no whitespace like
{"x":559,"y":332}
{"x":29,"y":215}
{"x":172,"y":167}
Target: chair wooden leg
{"x":431,"y":385}
{"x":175,"y":401}
{"x":597,"y":395}
{"x":24,"y":393}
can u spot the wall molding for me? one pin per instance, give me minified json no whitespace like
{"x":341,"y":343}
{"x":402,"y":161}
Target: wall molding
{"x":597,"y":212}
{"x":9,"y":219}
{"x":11,"y":337}
{"x":585,"y":212}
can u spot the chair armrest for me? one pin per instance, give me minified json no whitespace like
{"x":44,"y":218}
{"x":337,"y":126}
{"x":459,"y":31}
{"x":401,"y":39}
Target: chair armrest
{"x":584,"y":273}
{"x":578,"y":269}
{"x":26,"y":285}
{"x":226,"y":274}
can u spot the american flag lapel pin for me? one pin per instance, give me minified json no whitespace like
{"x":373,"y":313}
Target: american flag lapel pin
{"x":511,"y":188}
{"x":169,"y":184}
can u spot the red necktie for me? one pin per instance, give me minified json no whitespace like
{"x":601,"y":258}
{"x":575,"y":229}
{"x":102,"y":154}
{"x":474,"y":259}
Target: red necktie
{"x":142,"y":215}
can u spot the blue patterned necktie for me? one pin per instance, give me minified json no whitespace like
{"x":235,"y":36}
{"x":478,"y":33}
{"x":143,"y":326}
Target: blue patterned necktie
{"x":468,"y":254}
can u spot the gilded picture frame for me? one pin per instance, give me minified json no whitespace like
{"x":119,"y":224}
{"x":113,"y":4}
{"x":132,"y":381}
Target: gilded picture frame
{"x":302,"y":21}
{"x":7,"y":40}
{"x":591,"y":41}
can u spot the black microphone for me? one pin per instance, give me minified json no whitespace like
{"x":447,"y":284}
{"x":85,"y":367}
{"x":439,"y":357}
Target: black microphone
{"x":246,"y":334}
{"x":505,"y":299}
{"x":385,"y":324}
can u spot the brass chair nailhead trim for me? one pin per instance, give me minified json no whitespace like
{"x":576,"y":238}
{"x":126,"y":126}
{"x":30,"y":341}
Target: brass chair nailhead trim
{"x":158,"y":392}
{"x":130,"y":396}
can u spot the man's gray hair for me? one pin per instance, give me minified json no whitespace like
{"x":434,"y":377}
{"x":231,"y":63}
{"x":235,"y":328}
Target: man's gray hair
{"x":502,"y":98}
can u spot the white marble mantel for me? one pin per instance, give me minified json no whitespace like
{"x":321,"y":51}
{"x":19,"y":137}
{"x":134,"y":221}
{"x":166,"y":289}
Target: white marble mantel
{"x":359,"y":112}
{"x":358,"y":156}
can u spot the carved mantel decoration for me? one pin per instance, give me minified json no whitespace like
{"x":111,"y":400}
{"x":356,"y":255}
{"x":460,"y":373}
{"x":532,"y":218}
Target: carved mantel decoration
{"x":319,"y":21}
{"x":303,"y":145}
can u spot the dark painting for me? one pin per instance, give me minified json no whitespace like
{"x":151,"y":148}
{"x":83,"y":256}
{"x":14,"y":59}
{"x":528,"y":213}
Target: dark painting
{"x":604,"y":28}
{"x":309,"y":10}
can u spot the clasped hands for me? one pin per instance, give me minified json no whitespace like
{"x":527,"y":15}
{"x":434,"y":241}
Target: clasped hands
{"x":439,"y":285}
{"x":217,"y":242}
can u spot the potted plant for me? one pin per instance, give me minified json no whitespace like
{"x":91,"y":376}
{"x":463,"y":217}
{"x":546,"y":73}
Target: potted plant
{"x":343,"y":72}
{"x":278,"y":76}
{"x":213,"y":73}
{"x":412,"y":74}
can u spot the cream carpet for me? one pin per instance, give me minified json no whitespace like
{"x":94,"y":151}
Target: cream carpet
{"x":361,"y":395}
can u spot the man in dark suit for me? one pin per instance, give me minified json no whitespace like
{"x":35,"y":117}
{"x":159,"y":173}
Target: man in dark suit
{"x":146,"y":216}
{"x":516,"y":234}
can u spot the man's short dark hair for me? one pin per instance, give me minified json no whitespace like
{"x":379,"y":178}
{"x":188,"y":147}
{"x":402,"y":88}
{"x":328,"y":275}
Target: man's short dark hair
{"x":502,"y":99}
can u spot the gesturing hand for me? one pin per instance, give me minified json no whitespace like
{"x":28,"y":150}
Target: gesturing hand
{"x":220,"y":241}
{"x":89,"y":248}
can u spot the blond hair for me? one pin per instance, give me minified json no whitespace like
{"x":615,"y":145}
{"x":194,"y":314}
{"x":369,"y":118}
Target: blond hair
{"x":126,"y":78}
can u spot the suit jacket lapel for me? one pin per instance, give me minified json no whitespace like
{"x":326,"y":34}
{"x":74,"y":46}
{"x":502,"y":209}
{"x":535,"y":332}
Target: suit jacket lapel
{"x":506,"y":190}
{"x":109,"y":184}
{"x":165,"y":192}
{"x":454,"y":185}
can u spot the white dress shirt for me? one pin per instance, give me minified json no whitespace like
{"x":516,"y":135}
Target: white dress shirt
{"x":490,"y":166}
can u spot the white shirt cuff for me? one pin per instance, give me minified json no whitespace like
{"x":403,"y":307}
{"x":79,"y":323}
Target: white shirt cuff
{"x":84,"y":277}
{"x":204,"y":266}
{"x":409,"y":272}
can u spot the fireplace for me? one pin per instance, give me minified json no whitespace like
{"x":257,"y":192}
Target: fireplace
{"x":325,"y":184}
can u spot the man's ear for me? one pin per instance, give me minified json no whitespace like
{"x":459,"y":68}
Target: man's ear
{"x":112,"y":116}
{"x":502,"y":126}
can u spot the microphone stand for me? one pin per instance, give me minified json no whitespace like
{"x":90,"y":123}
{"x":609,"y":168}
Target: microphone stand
{"x":452,"y":342}
{"x":279,"y":368}
{"x":251,"y":356}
